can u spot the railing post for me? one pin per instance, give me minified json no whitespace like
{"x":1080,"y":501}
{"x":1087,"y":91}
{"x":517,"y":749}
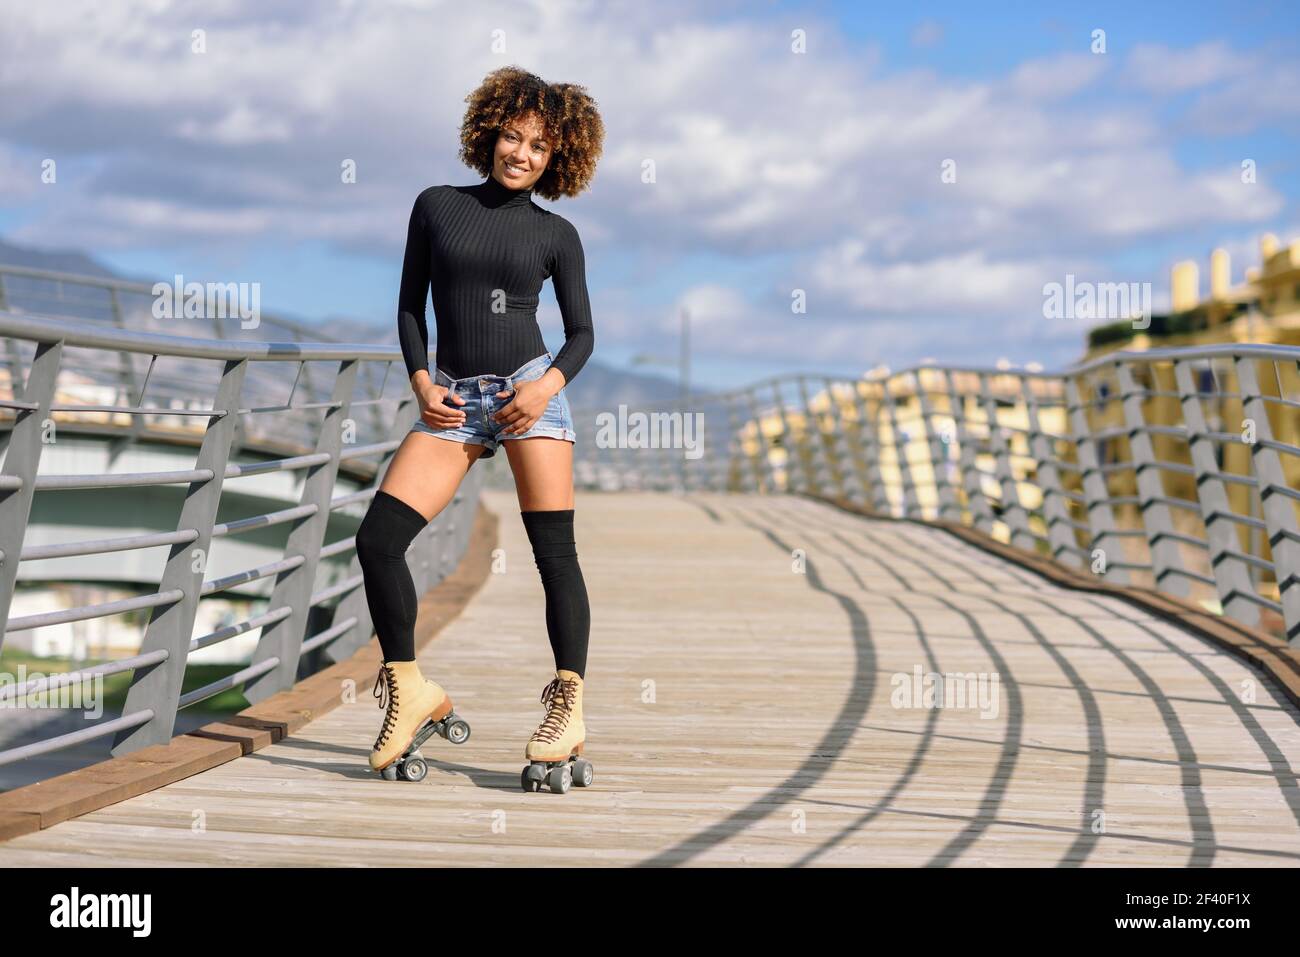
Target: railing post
{"x":792,"y":457}
{"x":1013,"y":513}
{"x":819,"y":466}
{"x":1166,"y":563}
{"x":840,"y":457}
{"x":171,"y":626}
{"x":1056,"y":514}
{"x":1231,"y":574}
{"x":130,"y":387}
{"x":1276,"y":497}
{"x":766,"y":471}
{"x":949,"y":508}
{"x":981,"y":512}
{"x":26,"y":440}
{"x":735,"y":461}
{"x":283,"y":639}
{"x":873,"y":483}
{"x":911,"y":504}
{"x":1096,"y":495}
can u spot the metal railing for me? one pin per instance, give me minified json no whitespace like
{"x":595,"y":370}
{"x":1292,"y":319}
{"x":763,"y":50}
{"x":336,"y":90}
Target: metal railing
{"x":313,"y":584}
{"x":1175,"y":469}
{"x":128,"y":305}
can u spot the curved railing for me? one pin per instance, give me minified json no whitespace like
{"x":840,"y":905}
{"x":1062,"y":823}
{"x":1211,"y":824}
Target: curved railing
{"x":243,"y":401}
{"x":1171,"y":468}
{"x":130,"y":306}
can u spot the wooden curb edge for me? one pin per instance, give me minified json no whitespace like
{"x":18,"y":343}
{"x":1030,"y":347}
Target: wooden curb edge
{"x":34,"y":807}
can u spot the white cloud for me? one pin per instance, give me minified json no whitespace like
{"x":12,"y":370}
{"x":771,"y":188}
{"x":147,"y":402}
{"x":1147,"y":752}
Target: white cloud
{"x":821,"y":163}
{"x":927,"y":33}
{"x":1160,"y":69}
{"x":1050,"y":78}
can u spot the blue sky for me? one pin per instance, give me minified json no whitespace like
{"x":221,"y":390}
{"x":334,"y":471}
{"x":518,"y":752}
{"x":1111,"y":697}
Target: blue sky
{"x":776,"y":171}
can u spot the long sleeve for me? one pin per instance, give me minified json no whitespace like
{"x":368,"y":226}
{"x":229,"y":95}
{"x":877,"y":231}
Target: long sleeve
{"x":569,"y":277}
{"x":412,"y":329}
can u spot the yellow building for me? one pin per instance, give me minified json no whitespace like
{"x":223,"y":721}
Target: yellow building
{"x":1263,"y":309}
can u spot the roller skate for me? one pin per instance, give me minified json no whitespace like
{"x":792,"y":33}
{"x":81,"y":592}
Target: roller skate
{"x":554,"y":753}
{"x":417,"y":710}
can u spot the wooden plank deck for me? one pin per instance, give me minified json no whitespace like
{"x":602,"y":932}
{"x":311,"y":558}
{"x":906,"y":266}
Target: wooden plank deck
{"x":739,"y":712}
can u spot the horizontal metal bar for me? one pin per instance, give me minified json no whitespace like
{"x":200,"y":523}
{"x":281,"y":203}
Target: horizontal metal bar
{"x":135,"y":410}
{"x":1173,"y":431}
{"x":1194,"y":576}
{"x":265,"y":520}
{"x":122,"y":480}
{"x":373,"y":448}
{"x":1260,"y":563}
{"x":62,"y":741}
{"x":1077,"y":526}
{"x":102,"y":545}
{"x":339,"y":588}
{"x":225,"y":684}
{"x":1062,"y":464}
{"x":81,"y":675}
{"x":365,"y":495}
{"x":251,"y":574}
{"x":338,"y":548}
{"x":290,"y":408}
{"x":277,"y":465}
{"x":1246,"y":520}
{"x":85,"y":612}
{"x":1072,"y":495}
{"x":39,"y":328}
{"x":1191,"y":540}
{"x":240,"y":627}
{"x":329,"y":634}
{"x":1283,"y":490}
{"x":1177,"y":503}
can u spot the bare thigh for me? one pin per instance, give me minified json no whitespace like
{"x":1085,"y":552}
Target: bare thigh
{"x":543,"y":470}
{"x":426,"y":471}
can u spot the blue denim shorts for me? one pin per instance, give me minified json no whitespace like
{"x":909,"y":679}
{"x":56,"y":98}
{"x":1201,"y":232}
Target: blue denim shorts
{"x":481,"y":403}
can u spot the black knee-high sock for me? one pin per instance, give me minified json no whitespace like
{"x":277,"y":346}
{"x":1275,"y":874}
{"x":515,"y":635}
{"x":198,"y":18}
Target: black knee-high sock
{"x":384,"y":536}
{"x":568,"y":616}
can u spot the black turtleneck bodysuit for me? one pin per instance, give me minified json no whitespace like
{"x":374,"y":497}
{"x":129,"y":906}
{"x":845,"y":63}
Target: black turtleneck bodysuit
{"x":487,"y":249}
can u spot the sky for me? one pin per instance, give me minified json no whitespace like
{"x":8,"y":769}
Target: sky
{"x":914,"y":174}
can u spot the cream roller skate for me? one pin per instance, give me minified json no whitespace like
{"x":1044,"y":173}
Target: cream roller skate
{"x":417,"y":710}
{"x":554,"y":753}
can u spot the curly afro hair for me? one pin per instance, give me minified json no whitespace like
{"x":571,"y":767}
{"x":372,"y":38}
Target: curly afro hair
{"x":568,"y":115}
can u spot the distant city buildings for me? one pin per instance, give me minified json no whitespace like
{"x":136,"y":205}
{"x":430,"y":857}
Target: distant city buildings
{"x":1264,"y":308}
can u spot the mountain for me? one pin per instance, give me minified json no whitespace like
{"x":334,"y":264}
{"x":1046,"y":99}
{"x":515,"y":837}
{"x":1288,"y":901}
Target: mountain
{"x":55,"y":260}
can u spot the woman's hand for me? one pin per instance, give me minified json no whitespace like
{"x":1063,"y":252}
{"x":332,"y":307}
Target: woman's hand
{"x":434,"y":410}
{"x":531,"y":397}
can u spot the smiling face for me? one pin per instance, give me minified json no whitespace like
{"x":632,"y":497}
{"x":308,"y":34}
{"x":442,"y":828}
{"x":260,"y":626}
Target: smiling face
{"x":521,"y":153}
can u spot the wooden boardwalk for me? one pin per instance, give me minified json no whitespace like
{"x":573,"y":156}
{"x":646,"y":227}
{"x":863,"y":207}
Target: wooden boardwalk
{"x":743,"y":708}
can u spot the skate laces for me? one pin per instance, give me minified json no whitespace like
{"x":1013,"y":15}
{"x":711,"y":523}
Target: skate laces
{"x":557,"y":716}
{"x":386,"y":687}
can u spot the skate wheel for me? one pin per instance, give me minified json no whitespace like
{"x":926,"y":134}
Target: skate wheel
{"x":415,"y":769}
{"x":458,"y":731}
{"x":582,"y":773}
{"x":560,"y":779}
{"x":389,"y":773}
{"x":531,"y":778}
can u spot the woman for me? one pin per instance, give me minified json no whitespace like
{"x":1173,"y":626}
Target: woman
{"x":486,"y":250}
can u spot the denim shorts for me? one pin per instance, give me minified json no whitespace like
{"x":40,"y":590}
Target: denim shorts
{"x":481,"y":403}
